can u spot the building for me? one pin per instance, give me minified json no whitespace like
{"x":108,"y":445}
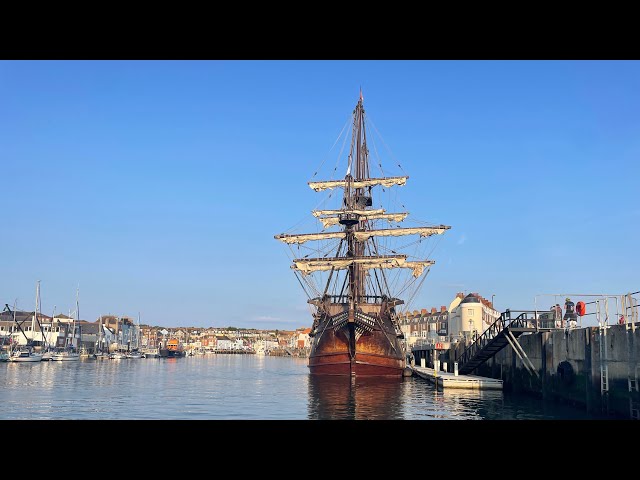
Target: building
{"x":470,"y":315}
{"x":466,"y":316}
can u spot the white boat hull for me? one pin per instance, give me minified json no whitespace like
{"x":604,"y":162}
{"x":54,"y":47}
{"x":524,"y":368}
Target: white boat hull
{"x":65,"y":357}
{"x":36,"y":357}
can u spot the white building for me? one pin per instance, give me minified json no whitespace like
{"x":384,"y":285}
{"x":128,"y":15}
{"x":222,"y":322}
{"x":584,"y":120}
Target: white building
{"x":470,"y":315}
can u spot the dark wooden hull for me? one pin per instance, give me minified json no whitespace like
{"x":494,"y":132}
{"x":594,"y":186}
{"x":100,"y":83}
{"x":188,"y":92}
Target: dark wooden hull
{"x":376,"y":353}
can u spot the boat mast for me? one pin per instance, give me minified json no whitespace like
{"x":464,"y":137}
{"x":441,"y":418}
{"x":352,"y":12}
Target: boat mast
{"x":98,"y":348}
{"x":77,"y":319}
{"x":35,"y":313}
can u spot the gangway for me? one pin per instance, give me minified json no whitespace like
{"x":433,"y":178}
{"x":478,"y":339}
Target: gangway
{"x":504,"y":331}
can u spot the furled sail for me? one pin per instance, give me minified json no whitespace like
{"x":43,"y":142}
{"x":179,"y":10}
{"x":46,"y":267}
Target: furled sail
{"x":391,"y":217}
{"x":310,"y":265}
{"x":306,"y":237}
{"x":368,"y":182}
{"x":363,"y":235}
{"x":323,"y":213}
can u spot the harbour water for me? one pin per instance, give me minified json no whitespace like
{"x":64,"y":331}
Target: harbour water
{"x":242,"y":387}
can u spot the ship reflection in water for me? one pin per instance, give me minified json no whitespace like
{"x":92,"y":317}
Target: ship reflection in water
{"x":370,"y":398}
{"x":355,"y":398}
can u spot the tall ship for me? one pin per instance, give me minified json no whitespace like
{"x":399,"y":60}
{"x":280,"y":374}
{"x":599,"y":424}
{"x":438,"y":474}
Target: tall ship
{"x":362,"y":265}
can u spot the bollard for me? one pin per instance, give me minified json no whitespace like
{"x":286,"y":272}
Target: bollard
{"x":423,"y":362}
{"x":436,"y":367}
{"x":444,"y":366}
{"x":455,"y":369}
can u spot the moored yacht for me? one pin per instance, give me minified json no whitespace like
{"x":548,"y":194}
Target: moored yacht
{"x":25,"y":354}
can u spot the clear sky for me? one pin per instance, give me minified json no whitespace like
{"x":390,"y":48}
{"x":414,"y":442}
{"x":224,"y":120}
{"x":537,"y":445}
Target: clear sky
{"x":156,"y":187}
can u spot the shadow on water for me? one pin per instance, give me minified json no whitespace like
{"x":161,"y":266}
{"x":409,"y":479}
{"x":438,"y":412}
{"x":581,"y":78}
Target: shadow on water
{"x":351,"y":398}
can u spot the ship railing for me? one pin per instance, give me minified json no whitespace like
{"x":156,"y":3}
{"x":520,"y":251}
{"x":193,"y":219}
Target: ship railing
{"x":363,"y":298}
{"x":526,"y":319}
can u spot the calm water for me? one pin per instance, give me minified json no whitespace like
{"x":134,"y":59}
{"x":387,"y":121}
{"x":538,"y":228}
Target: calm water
{"x":240,"y":387}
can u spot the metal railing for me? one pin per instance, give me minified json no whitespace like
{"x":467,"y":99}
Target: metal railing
{"x":523,"y":319}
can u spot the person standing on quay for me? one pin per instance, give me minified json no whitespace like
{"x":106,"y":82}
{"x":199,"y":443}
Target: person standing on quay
{"x":570,"y":315}
{"x":558,"y":316}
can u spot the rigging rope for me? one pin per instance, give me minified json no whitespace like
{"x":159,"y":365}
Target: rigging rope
{"x":385,"y":144}
{"x":334,"y":144}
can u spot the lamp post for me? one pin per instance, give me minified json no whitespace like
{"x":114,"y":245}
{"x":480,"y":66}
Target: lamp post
{"x":492,"y":301}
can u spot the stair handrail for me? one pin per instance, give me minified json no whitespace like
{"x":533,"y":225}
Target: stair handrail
{"x":504,"y":320}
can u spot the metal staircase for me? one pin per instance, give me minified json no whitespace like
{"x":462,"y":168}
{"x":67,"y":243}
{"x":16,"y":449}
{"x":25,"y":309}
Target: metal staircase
{"x":504,"y":331}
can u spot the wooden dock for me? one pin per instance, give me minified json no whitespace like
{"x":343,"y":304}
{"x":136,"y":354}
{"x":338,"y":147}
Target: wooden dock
{"x":450,"y":380}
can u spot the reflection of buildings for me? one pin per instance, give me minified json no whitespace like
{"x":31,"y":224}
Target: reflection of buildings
{"x":361,"y":398}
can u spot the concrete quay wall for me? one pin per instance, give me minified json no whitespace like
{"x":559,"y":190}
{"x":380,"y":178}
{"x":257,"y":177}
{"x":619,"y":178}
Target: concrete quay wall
{"x":594,"y":368}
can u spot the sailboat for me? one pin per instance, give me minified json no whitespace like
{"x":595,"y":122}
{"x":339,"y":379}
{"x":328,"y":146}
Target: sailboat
{"x":48,"y":349}
{"x":354,"y":276}
{"x":135,"y":351}
{"x":69,"y":353}
{"x":100,"y":351}
{"x":24,"y":353}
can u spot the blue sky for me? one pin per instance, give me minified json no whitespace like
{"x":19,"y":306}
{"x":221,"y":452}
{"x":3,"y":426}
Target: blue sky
{"x":157,"y":186}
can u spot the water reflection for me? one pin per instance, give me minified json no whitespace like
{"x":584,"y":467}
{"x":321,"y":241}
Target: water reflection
{"x":233,"y":387}
{"x":351,"y":398}
{"x":469,"y":404}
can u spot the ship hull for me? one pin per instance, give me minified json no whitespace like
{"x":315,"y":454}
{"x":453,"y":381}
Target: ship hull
{"x":163,"y":352}
{"x":361,"y":366}
{"x":345,"y":349}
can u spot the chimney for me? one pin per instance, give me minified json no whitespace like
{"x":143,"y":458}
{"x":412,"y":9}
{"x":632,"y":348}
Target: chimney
{"x":423,"y":311}
{"x":459,"y":295}
{"x":443,"y":309}
{"x":433,"y":310}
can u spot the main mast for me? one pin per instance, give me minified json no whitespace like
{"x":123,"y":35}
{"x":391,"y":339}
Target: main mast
{"x":352,"y":200}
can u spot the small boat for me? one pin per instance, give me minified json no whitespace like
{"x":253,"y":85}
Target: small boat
{"x":133,"y":354}
{"x":25,"y":354}
{"x":100,"y":355}
{"x":48,"y":354}
{"x":150,"y":353}
{"x":4,"y":357}
{"x":69,"y":353}
{"x":66,"y":355}
{"x":117,"y":356}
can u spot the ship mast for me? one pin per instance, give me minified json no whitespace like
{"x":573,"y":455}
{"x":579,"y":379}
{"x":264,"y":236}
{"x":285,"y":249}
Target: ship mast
{"x":355,"y":198}
{"x":357,"y":250}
